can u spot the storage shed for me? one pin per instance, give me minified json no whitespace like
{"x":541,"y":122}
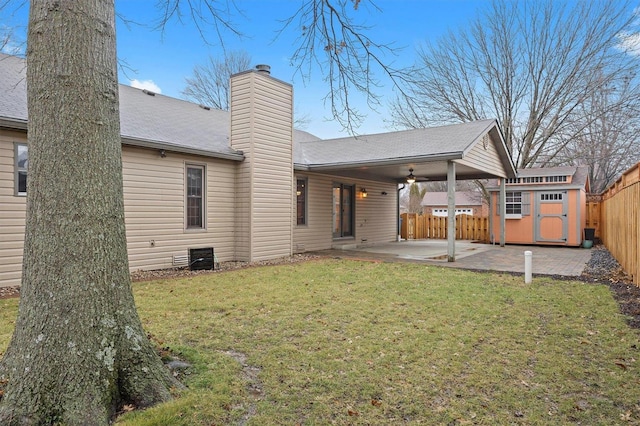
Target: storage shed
{"x":543,"y":206}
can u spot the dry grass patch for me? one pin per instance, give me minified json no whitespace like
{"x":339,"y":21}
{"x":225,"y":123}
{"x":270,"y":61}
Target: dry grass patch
{"x":348,"y":342}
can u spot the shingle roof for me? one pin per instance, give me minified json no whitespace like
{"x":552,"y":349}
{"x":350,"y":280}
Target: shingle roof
{"x":157,"y":121}
{"x":163,"y":122}
{"x":13,"y":88}
{"x":173,"y":122}
{"x":434,"y":141}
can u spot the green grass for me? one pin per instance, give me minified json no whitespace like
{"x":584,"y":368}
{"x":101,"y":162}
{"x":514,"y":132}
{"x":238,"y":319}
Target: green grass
{"x":348,"y":342}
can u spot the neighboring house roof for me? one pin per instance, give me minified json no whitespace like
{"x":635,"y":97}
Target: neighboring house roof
{"x":438,"y":199}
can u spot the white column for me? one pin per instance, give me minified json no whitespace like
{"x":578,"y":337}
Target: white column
{"x":502,"y":205}
{"x":451,"y":206}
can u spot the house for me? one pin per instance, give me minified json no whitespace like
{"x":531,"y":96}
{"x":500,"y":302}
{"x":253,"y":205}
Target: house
{"x":468,"y":202}
{"x":245,"y":182}
{"x":543,"y":206}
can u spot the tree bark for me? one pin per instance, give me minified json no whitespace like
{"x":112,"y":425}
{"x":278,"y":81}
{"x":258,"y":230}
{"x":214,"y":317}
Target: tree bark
{"x":79,"y":351}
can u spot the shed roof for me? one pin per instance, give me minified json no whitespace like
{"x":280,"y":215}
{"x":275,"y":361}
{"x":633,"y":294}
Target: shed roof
{"x":579,"y":178}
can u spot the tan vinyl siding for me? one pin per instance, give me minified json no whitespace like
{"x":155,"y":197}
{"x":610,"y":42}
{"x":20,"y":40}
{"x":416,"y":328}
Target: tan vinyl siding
{"x":375,"y":216}
{"x":261,"y":127}
{"x":154,"y":193}
{"x":484,"y":157}
{"x":241,"y":128}
{"x":12,"y":212}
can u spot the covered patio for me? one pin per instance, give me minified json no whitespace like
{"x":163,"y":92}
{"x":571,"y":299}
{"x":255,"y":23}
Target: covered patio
{"x":474,"y":150}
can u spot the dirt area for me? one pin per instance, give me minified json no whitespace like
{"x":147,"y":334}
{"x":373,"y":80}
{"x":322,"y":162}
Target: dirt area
{"x":601,"y":269}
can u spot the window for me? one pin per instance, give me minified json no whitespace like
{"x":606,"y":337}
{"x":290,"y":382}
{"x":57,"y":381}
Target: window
{"x":195,"y":197}
{"x":514,"y":203}
{"x":301,"y":201}
{"x":556,"y":179}
{"x":556,"y":196}
{"x":21,"y":164}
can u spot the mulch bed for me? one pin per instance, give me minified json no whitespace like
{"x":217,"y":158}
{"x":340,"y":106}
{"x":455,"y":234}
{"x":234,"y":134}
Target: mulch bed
{"x":601,"y":269}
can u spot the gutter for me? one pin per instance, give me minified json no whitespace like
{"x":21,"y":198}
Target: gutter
{"x":238,"y":156}
{"x":13,"y":124}
{"x":17,"y":124}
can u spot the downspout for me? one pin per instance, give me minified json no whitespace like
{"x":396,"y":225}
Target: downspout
{"x":399,"y":238}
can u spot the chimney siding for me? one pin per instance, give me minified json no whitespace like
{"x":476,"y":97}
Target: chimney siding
{"x":262,"y":127}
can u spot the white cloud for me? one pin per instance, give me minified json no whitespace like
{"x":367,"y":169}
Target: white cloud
{"x":145,"y":84}
{"x":630,"y":43}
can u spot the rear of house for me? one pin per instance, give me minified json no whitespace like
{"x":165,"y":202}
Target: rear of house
{"x":543,"y":206}
{"x":195,"y":177}
{"x":245,"y":182}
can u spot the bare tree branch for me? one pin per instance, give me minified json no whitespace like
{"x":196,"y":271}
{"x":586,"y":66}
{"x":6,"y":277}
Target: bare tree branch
{"x":331,"y":39}
{"x":530,"y":64}
{"x":209,"y":84}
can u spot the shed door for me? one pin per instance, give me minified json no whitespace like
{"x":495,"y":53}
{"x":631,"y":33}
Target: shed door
{"x":552,"y":223}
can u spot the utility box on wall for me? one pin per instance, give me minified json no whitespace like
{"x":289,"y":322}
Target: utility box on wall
{"x":201,"y":258}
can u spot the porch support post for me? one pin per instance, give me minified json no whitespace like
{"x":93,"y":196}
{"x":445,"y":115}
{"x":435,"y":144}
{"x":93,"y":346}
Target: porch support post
{"x":502,"y":205}
{"x":451,"y":211}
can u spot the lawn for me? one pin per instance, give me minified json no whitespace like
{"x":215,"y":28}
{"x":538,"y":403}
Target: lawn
{"x":350,"y":342}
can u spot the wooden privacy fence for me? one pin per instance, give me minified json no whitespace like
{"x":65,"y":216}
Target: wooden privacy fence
{"x":619,"y":221}
{"x":415,"y":227}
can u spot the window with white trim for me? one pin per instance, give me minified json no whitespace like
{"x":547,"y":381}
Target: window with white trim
{"x":514,"y":203}
{"x":195,"y":190}
{"x":21,"y":153}
{"x":555,"y":196}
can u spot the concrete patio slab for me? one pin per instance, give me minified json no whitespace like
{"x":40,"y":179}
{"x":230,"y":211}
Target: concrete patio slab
{"x":547,"y":260}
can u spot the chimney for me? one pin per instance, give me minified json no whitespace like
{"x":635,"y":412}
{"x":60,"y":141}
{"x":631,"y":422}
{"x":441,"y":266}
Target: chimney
{"x":262,"y":128}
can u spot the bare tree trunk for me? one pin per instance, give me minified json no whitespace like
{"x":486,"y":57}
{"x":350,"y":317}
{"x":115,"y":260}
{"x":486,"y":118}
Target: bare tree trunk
{"x":78,"y":351}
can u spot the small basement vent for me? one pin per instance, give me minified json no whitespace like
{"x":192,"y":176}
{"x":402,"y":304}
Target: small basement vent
{"x":201,"y":258}
{"x":181,"y":260}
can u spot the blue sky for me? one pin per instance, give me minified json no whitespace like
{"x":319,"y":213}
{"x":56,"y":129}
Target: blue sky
{"x":162,"y":61}
{"x":167,"y":59}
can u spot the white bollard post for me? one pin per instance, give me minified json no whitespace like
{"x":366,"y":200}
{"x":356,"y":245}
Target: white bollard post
{"x":528,"y":266}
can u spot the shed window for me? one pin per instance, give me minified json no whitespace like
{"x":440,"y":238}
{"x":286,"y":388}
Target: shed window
{"x":517,"y":205}
{"x":514,"y":203}
{"x":555,"y":196}
{"x":195,"y":187}
{"x":21,"y":153}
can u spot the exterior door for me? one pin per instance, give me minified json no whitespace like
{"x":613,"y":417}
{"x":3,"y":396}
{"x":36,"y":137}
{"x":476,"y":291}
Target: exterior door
{"x":552,"y":223}
{"x":343,"y":211}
